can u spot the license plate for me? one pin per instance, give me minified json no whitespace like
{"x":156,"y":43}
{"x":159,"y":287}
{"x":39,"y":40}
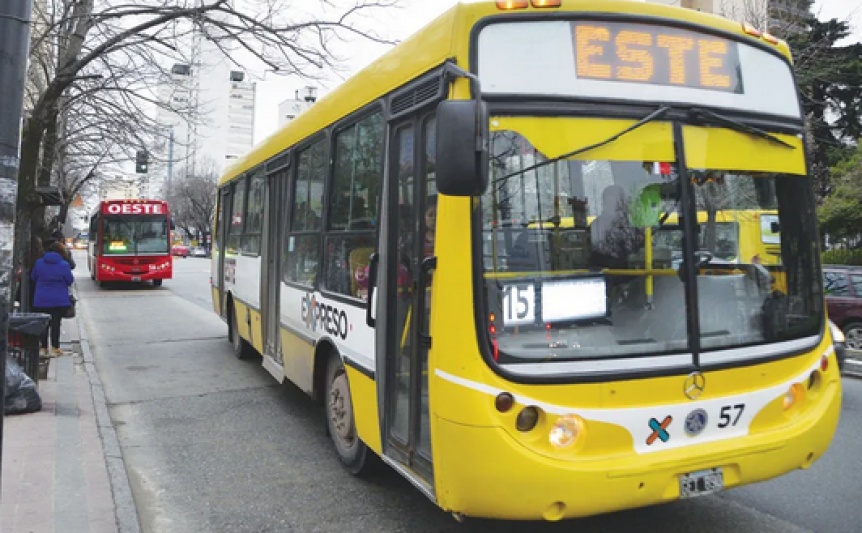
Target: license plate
{"x":136,"y":278}
{"x":701,"y":483}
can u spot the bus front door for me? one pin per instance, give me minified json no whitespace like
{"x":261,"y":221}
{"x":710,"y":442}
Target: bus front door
{"x":406,"y":410}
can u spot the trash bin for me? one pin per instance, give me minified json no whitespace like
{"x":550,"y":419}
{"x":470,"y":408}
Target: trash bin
{"x":25,"y":333}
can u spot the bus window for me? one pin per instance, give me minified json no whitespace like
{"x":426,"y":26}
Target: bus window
{"x":301,"y":254}
{"x":353,"y":201}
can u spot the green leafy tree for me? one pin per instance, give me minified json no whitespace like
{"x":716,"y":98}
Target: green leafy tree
{"x":830,"y":82}
{"x":840,"y":215}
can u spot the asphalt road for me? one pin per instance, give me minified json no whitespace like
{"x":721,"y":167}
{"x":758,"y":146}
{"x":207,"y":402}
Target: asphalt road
{"x":213,"y":444}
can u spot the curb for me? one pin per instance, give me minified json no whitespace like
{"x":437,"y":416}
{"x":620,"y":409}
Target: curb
{"x":125,"y":511}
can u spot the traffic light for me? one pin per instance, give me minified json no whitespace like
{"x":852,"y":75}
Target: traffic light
{"x":142,"y":160}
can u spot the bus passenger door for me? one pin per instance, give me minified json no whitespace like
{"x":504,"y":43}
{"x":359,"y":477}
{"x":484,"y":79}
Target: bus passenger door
{"x":408,"y":251}
{"x":220,"y":246}
{"x":271,"y":264}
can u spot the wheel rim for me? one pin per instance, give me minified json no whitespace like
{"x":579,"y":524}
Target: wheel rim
{"x":854,"y":338}
{"x":341,"y":411}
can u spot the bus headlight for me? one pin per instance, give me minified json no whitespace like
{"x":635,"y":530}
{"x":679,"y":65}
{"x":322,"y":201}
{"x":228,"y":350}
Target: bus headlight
{"x":566,"y":431}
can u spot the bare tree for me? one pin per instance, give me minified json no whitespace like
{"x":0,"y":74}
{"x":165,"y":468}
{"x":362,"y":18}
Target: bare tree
{"x":193,"y":198}
{"x":96,"y":61}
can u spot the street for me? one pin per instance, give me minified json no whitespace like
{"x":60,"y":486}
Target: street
{"x":212,"y":443}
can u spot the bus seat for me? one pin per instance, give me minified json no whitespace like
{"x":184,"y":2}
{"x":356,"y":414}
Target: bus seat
{"x":358,"y":260}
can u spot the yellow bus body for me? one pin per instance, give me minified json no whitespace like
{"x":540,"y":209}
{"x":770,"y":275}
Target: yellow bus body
{"x":483,"y":466}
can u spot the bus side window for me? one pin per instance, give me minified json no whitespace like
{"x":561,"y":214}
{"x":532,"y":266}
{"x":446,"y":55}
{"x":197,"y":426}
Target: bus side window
{"x":358,"y":261}
{"x":354,"y":194}
{"x":337,"y":275}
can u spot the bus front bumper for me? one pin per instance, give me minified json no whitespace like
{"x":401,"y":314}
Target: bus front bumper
{"x":115,"y":274}
{"x":496,"y":477}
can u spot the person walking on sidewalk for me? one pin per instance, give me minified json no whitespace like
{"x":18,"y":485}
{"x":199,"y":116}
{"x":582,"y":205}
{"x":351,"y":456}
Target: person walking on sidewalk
{"x":52,"y":277}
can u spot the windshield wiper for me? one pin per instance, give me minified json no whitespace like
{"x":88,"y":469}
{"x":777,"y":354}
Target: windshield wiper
{"x":658,"y":113}
{"x":738,"y":126}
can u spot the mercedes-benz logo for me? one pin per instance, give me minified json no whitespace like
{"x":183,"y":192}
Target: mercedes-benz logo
{"x":694,"y":385}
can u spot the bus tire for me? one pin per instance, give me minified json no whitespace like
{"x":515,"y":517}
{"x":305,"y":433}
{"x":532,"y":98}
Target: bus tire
{"x":241,"y":348}
{"x":340,"y":422}
{"x":157,"y":283}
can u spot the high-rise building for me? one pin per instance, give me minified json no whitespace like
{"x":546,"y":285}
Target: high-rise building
{"x":210,"y":121}
{"x":290,"y":108}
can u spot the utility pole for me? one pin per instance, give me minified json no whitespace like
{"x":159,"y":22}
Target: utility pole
{"x":14,"y":48}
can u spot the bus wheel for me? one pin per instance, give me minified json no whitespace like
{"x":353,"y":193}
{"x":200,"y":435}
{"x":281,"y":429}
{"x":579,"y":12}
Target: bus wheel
{"x":340,"y":422}
{"x":241,"y":348}
{"x":157,"y":283}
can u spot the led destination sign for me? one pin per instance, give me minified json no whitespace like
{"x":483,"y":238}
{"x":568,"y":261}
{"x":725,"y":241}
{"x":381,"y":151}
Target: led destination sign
{"x":133,"y":209}
{"x":656,"y":55}
{"x":618,"y":61}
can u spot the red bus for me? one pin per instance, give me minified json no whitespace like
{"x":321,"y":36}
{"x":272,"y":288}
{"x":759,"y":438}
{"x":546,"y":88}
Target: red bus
{"x":130,"y":241}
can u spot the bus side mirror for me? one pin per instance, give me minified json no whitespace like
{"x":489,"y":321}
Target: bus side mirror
{"x":462,"y":148}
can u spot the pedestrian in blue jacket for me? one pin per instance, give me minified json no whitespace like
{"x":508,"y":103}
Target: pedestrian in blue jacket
{"x":52,"y":276}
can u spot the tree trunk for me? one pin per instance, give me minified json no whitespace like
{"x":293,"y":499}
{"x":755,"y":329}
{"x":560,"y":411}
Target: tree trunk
{"x":49,"y":148}
{"x":26,"y":224}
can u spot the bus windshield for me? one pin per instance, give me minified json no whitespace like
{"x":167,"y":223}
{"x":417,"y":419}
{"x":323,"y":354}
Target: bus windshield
{"x":583,"y":257}
{"x":135,"y":235}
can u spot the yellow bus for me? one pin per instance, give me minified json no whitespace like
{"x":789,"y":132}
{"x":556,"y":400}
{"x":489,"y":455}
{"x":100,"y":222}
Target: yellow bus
{"x":452,"y":252}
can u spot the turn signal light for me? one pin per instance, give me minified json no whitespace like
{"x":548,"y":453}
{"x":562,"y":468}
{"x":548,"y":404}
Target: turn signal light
{"x":793,"y":396}
{"x":546,"y":3}
{"x":512,"y":4}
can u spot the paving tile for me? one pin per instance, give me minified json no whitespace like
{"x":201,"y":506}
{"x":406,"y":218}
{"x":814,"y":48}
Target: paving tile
{"x":55,"y":477}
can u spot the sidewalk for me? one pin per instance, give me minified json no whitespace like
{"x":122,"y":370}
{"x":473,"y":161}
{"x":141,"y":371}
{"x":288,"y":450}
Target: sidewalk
{"x":63,"y":471}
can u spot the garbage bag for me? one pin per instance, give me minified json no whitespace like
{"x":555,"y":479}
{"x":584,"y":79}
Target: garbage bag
{"x":21,"y":393}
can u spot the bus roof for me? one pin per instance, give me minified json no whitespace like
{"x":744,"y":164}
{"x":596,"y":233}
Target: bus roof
{"x":446,"y":37}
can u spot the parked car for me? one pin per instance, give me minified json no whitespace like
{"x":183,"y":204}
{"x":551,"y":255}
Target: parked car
{"x":840,"y":344}
{"x":180,"y":250}
{"x":199,"y":251}
{"x":843,"y":288}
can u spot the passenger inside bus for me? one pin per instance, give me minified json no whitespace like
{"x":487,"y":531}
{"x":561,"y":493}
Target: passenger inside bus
{"x":406,"y":244}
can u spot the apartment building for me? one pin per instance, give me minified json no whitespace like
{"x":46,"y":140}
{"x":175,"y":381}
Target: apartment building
{"x":210,"y":121}
{"x":290,"y":108}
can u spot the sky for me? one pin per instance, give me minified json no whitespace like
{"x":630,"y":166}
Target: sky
{"x":411,"y":15}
